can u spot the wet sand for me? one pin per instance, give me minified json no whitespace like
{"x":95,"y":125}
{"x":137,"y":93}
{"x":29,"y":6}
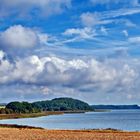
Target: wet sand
{"x":42,"y":134}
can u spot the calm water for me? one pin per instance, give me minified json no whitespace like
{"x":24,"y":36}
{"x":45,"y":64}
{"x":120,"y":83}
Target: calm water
{"x":123,"y":119}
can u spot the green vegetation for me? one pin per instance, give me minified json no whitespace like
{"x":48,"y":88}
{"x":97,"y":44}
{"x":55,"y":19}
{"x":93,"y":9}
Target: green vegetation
{"x":112,"y":107}
{"x":58,"y":104}
{"x":22,"y":107}
{"x":62,"y":104}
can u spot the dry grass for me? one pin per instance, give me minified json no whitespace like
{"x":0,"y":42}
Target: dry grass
{"x":31,"y":115}
{"x":38,"y":134}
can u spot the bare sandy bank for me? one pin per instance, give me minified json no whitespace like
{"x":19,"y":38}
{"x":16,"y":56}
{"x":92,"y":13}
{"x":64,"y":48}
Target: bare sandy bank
{"x":42,"y":134}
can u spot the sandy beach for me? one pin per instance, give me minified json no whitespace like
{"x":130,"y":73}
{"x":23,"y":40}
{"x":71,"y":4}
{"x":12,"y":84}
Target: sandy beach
{"x":38,"y":134}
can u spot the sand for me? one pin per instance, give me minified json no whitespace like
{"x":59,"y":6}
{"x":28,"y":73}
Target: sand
{"x":38,"y":134}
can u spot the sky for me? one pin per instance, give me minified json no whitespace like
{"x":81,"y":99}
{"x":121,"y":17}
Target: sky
{"x":84,"y":49}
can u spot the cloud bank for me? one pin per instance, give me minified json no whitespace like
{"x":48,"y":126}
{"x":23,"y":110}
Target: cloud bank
{"x":23,"y":8}
{"x":77,"y":74}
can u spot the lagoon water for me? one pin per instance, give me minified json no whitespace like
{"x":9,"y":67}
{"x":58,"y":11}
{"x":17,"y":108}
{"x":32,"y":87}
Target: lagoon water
{"x":117,"y":119}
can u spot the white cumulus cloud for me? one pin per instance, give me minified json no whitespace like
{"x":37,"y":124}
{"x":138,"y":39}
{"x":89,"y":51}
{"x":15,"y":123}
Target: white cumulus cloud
{"x":74,"y":73}
{"x":18,"y":39}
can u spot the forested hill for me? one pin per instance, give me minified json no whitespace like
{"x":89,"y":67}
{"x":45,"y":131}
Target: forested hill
{"x":58,"y":104}
{"x":115,"y":107}
{"x":62,"y":104}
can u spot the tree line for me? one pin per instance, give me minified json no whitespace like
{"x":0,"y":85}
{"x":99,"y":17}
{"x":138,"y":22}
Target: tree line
{"x":58,"y":104}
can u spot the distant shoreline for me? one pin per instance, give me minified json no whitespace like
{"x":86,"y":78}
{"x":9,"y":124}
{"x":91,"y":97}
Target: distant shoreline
{"x":47,"y":113}
{"x":34,"y":115}
{"x":30,"y":115}
{"x":34,"y":127}
{"x":116,"y":107}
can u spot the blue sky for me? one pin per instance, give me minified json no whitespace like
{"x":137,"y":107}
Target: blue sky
{"x":70,"y":48}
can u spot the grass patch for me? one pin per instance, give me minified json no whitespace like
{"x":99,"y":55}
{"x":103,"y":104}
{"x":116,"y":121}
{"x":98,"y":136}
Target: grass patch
{"x":30,"y":115}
